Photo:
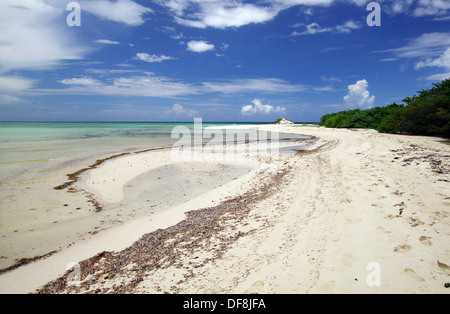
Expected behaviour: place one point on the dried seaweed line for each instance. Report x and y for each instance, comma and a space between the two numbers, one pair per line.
168, 247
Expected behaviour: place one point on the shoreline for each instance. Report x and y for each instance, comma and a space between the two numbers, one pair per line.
351, 199
78, 214
108, 185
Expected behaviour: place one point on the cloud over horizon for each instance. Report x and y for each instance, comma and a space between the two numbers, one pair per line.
358, 96
259, 108
179, 110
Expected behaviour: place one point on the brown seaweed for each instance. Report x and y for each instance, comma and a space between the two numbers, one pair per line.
210, 230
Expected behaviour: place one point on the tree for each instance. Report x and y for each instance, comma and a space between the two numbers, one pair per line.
425, 114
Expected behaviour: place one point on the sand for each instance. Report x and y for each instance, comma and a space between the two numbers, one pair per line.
355, 212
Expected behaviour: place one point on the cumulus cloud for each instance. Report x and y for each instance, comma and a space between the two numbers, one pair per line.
179, 110
200, 46
152, 58
122, 11
259, 107
358, 96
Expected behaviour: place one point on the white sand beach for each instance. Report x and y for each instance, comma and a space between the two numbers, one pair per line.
355, 212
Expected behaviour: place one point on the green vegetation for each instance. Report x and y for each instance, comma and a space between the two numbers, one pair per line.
426, 114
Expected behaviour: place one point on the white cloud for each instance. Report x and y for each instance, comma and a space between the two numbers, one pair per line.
81, 81
291, 3
259, 107
139, 86
11, 100
200, 46
330, 78
270, 85
360, 3
312, 28
399, 6
443, 61
153, 86
106, 42
315, 28
438, 77
230, 13
426, 45
224, 14
14, 84
431, 50
152, 58
432, 7
347, 27
179, 110
358, 96
417, 8
33, 35
121, 11
237, 13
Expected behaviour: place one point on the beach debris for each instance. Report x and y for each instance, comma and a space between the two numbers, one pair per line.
415, 155
205, 234
24, 261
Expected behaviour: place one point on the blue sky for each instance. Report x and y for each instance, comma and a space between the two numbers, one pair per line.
228, 60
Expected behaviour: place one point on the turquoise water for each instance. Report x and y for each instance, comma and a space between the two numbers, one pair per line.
27, 147
35, 157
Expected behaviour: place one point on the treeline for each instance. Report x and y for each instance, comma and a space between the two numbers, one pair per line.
425, 114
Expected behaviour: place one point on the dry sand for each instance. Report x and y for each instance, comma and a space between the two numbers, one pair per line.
357, 212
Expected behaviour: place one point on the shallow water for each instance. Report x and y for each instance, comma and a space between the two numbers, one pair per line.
35, 157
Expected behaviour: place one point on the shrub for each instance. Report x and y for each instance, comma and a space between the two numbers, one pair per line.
425, 114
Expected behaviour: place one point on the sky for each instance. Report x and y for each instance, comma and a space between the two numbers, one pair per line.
219, 60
